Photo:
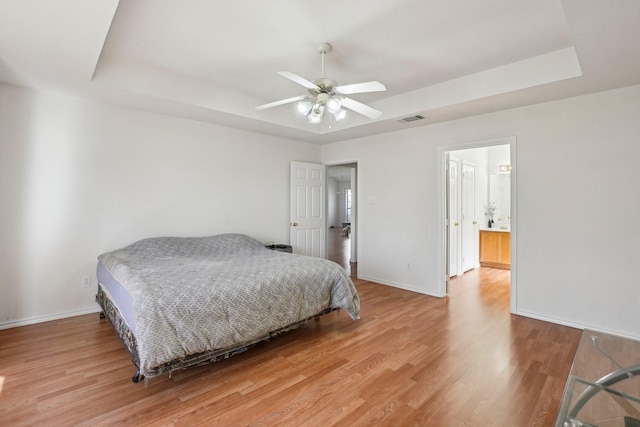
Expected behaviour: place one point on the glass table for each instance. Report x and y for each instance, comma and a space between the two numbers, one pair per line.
603, 388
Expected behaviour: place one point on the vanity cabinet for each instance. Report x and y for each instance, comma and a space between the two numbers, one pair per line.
495, 249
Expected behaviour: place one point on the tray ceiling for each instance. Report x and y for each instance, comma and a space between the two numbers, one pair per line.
215, 61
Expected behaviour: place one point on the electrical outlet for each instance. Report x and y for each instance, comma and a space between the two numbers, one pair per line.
86, 282
408, 266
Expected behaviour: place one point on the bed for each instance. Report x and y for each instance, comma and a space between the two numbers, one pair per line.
177, 302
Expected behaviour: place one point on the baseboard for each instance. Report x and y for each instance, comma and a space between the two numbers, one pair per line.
397, 285
577, 325
41, 319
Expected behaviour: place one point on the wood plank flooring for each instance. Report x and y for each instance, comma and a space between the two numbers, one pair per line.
339, 250
411, 360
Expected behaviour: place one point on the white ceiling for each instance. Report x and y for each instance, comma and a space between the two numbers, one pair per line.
215, 61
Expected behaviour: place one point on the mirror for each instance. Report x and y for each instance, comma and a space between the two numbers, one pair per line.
500, 194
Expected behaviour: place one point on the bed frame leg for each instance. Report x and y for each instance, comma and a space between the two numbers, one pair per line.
137, 377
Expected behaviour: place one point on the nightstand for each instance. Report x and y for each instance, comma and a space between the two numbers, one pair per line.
280, 248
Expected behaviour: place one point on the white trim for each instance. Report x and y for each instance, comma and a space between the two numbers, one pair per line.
577, 325
441, 270
42, 319
397, 285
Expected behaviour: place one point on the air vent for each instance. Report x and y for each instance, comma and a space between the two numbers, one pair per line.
411, 118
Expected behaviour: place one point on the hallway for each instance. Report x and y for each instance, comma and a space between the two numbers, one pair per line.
339, 250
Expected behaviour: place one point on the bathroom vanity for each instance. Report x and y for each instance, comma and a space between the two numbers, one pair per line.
495, 248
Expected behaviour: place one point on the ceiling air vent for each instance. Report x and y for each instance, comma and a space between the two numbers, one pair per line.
411, 118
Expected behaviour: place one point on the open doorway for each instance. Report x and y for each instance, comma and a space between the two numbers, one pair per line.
479, 209
342, 216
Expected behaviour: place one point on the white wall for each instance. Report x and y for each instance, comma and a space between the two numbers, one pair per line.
79, 179
332, 202
336, 209
578, 236
341, 200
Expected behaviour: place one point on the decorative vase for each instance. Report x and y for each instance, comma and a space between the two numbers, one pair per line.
489, 223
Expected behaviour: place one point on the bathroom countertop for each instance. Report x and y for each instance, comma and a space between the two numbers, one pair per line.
503, 230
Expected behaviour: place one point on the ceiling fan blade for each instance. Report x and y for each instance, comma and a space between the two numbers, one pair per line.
361, 108
296, 78
281, 102
361, 88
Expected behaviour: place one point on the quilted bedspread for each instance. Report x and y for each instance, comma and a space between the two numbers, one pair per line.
196, 294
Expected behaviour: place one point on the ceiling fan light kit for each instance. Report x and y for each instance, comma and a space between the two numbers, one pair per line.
325, 94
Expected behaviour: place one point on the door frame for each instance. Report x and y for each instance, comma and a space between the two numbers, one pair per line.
443, 222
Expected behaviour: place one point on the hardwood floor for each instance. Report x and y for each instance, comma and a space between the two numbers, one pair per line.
411, 360
339, 250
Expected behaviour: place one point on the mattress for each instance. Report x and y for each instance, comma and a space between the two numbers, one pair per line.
118, 295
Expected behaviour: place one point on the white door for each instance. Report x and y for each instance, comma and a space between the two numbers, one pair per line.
468, 217
454, 223
307, 233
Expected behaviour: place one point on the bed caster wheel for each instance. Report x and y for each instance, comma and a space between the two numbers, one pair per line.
137, 377
102, 316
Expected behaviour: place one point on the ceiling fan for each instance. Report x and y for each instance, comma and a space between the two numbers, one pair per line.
325, 94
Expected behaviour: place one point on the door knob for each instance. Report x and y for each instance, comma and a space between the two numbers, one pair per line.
294, 224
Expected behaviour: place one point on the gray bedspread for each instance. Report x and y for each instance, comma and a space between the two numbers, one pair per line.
196, 294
